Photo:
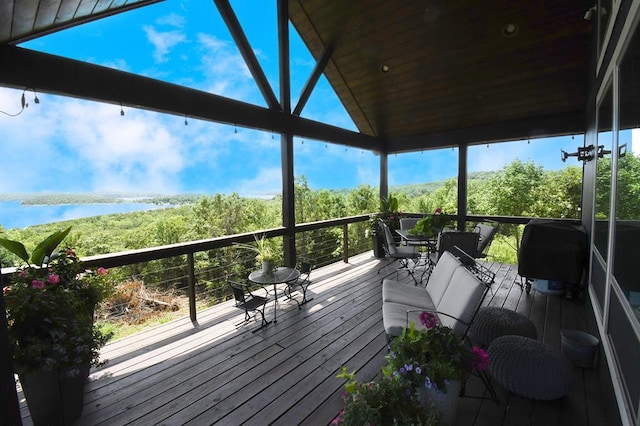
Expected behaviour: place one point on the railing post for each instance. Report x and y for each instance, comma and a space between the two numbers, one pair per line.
192, 286
345, 243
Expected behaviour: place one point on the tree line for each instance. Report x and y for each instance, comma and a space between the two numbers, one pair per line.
518, 189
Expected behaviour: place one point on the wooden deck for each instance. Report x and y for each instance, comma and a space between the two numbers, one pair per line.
285, 374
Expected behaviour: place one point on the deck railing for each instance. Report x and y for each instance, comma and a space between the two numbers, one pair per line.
200, 269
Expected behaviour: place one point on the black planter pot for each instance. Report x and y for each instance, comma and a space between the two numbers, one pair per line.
53, 398
378, 249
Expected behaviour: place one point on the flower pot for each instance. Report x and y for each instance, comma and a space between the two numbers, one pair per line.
378, 249
54, 398
267, 267
446, 403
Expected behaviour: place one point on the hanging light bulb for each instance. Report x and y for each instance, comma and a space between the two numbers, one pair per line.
35, 97
121, 110
186, 123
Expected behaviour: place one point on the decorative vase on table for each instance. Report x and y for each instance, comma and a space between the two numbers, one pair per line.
267, 267
445, 402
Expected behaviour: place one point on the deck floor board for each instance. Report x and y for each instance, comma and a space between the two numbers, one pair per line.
215, 372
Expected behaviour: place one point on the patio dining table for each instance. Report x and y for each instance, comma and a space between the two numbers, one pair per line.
281, 275
429, 242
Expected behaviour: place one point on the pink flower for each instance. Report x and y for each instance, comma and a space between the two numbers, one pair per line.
102, 271
428, 319
6, 289
479, 358
438, 210
38, 284
70, 252
22, 274
53, 279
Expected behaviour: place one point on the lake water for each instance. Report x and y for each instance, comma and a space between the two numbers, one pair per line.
15, 215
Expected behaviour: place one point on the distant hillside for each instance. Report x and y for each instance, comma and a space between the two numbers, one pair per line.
111, 198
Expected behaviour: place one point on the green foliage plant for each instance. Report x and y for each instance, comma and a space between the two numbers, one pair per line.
262, 248
384, 401
50, 305
389, 214
431, 224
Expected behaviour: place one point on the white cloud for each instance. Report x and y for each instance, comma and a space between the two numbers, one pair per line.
172, 19
66, 144
163, 42
224, 70
268, 181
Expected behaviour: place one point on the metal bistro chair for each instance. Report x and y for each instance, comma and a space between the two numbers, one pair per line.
302, 283
400, 254
465, 241
486, 233
250, 303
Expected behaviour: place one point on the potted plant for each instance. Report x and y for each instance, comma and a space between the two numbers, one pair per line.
431, 225
265, 254
50, 303
433, 361
390, 215
384, 401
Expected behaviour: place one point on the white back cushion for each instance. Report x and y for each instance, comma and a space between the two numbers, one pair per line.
461, 299
441, 276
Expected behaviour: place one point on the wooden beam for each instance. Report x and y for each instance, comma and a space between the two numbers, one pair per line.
22, 68
313, 79
534, 127
246, 51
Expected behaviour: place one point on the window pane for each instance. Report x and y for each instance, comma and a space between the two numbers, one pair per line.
603, 176
627, 241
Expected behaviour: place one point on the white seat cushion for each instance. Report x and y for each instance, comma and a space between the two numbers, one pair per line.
396, 292
394, 317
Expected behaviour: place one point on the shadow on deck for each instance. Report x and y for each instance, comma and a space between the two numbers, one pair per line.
213, 372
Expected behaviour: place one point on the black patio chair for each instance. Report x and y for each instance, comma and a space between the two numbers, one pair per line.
401, 254
302, 283
250, 303
486, 232
465, 241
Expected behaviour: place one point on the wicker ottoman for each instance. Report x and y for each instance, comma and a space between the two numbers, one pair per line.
491, 323
529, 368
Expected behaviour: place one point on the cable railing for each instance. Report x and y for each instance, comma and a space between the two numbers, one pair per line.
198, 271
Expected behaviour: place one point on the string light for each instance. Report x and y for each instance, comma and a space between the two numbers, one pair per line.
186, 123
121, 110
235, 129
23, 103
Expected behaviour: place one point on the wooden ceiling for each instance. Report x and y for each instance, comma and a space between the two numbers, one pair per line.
21, 20
457, 72
453, 65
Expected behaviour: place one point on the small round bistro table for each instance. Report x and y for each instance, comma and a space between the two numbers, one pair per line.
281, 275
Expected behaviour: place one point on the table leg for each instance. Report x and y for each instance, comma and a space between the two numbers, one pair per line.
275, 303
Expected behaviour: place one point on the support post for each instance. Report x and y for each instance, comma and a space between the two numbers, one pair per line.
462, 186
9, 402
286, 140
345, 243
192, 287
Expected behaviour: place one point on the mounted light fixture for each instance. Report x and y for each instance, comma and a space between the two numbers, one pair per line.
384, 69
584, 154
510, 30
588, 15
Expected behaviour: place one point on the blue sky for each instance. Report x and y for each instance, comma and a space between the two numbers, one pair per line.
70, 145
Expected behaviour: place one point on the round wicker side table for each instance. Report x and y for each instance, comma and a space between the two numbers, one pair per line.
491, 323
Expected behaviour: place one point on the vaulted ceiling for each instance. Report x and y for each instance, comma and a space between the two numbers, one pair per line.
412, 74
